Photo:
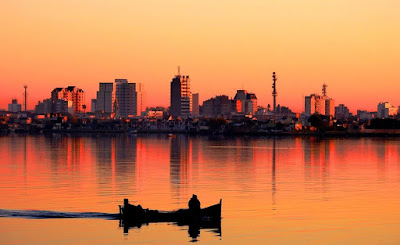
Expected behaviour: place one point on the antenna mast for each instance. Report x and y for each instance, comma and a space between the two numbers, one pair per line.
324, 93
25, 97
274, 93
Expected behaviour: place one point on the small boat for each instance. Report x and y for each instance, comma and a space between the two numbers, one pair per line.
137, 215
172, 135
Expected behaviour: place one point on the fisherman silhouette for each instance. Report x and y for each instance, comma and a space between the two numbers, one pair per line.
194, 205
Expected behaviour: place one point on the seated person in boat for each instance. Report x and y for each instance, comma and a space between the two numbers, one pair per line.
130, 209
194, 205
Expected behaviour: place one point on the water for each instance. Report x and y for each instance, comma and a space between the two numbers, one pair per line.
65, 189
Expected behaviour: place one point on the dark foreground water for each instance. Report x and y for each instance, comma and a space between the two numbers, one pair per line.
65, 189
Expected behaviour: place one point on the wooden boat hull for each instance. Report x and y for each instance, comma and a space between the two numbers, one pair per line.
211, 214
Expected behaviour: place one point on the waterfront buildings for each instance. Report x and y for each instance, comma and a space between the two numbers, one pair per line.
322, 105
385, 110
54, 106
364, 115
342, 112
129, 98
105, 98
75, 96
181, 98
93, 105
14, 106
220, 105
195, 104
246, 102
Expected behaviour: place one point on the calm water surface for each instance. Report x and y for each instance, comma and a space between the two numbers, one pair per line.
275, 191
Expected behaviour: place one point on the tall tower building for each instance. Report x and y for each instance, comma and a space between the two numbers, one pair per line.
139, 101
246, 102
124, 97
195, 104
129, 98
311, 104
73, 95
105, 98
181, 98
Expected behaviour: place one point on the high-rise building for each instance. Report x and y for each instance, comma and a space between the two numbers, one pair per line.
105, 98
310, 104
129, 98
342, 112
181, 98
75, 96
93, 105
247, 102
195, 104
124, 98
220, 105
14, 106
139, 99
385, 110
322, 105
329, 107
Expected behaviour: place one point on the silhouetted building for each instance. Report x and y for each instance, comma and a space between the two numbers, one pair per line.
342, 112
195, 104
181, 98
385, 110
247, 102
140, 97
322, 105
75, 96
365, 115
93, 105
56, 106
14, 106
220, 105
129, 98
105, 98
329, 107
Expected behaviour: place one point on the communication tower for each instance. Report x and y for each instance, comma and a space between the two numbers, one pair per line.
274, 93
25, 97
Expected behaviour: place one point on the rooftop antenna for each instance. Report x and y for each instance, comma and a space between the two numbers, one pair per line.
274, 93
324, 93
179, 70
25, 97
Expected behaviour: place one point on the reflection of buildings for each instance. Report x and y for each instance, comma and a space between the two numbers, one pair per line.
273, 173
317, 155
116, 162
180, 161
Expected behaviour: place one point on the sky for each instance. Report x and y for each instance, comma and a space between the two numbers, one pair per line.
351, 45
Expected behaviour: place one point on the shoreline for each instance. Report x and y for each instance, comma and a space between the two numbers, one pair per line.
327, 134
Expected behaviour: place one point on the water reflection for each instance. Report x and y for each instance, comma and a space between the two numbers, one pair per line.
180, 163
277, 184
317, 154
193, 229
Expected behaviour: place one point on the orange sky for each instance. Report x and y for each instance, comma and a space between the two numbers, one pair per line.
224, 45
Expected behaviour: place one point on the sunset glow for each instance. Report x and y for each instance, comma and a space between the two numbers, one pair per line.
223, 45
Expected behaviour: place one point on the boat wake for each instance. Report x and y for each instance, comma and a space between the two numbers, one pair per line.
44, 214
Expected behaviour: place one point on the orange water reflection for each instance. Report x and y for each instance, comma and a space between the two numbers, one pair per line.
281, 190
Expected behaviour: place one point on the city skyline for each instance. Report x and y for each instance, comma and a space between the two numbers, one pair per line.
223, 46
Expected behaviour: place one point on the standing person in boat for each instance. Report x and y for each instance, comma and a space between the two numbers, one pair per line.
194, 205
